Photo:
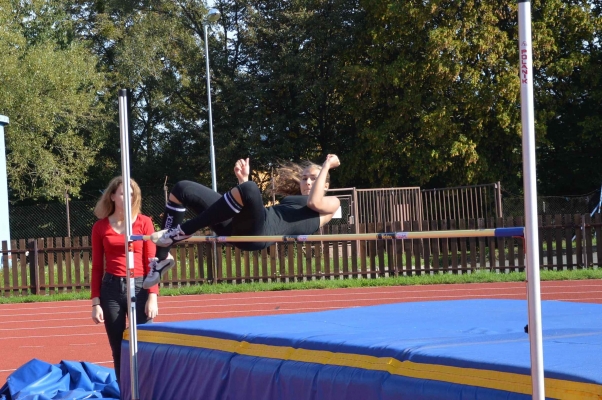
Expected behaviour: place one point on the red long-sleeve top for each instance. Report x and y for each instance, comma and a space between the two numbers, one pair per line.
109, 246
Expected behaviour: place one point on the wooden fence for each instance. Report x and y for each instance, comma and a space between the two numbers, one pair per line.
51, 265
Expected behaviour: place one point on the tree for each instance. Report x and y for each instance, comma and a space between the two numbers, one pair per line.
439, 94
437, 81
568, 68
156, 49
407, 93
298, 52
50, 91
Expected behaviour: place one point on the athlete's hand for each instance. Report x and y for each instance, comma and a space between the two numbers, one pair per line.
97, 314
332, 161
242, 168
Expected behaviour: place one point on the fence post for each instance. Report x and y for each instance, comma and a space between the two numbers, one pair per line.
584, 246
67, 209
33, 267
498, 199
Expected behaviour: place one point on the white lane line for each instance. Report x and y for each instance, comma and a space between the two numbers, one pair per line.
200, 298
19, 321
321, 293
371, 299
39, 327
204, 312
169, 305
286, 294
290, 310
247, 300
245, 312
51, 336
373, 290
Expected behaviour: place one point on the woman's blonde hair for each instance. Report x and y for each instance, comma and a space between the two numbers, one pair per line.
287, 178
105, 206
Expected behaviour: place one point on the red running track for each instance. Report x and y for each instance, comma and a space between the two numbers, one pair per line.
64, 330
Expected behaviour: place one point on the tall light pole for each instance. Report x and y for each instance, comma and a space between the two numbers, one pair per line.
212, 16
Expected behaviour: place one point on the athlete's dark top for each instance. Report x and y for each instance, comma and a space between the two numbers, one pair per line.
291, 217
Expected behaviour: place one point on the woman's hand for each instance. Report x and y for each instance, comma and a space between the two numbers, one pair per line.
332, 161
242, 168
151, 308
97, 314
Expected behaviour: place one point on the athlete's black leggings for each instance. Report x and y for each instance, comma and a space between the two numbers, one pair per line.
249, 222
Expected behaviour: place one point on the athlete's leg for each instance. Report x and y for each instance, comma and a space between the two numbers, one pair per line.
251, 219
172, 217
223, 210
184, 194
198, 198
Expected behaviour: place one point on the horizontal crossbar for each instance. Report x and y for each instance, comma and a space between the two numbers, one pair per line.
497, 232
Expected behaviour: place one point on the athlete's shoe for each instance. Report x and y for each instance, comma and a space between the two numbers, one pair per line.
157, 269
168, 237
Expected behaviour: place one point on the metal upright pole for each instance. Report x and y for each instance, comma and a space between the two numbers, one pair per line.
129, 245
211, 148
530, 188
212, 16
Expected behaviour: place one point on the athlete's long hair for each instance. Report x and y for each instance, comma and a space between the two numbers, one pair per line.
105, 206
287, 178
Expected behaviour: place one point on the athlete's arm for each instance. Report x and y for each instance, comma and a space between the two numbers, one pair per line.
317, 200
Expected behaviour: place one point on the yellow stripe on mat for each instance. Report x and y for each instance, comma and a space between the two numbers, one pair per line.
506, 381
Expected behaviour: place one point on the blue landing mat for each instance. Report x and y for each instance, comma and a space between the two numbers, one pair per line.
466, 349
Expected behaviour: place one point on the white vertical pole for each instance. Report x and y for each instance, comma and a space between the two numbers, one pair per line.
129, 245
530, 188
5, 226
211, 148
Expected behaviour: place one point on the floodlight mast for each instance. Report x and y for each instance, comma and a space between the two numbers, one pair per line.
212, 16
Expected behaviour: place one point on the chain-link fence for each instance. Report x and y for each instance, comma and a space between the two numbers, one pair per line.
514, 206
76, 217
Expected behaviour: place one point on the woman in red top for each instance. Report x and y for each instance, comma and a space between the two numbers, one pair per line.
109, 284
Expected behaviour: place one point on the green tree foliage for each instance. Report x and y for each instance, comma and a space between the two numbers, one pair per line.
298, 53
437, 93
434, 93
50, 91
156, 49
406, 92
568, 66
139, 43
415, 93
